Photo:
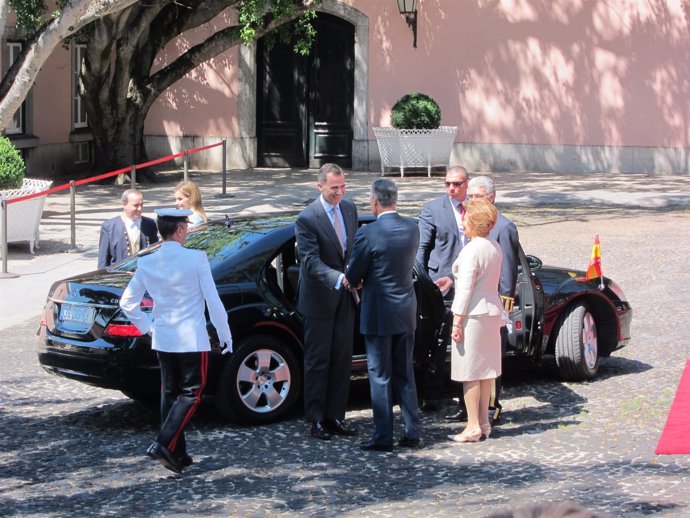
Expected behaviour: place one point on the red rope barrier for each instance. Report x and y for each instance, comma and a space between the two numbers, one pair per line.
197, 150
37, 194
159, 160
92, 179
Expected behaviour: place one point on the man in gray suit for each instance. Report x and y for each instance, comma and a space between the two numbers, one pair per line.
325, 232
383, 256
505, 233
441, 239
126, 234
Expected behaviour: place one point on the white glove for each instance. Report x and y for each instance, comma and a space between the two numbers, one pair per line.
226, 346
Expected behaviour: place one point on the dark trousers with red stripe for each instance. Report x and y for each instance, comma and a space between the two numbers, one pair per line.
183, 378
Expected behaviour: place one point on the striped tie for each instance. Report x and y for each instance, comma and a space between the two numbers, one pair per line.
338, 228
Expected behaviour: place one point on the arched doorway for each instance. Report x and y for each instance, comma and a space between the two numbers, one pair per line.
305, 104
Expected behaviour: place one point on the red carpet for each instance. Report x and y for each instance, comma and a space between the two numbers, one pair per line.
676, 435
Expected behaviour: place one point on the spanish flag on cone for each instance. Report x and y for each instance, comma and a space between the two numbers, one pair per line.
594, 268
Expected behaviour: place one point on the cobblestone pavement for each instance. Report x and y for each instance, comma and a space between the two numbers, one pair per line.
66, 448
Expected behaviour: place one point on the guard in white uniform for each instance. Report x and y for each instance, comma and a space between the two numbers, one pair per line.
180, 283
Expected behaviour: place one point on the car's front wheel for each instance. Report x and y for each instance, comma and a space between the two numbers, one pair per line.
260, 382
577, 351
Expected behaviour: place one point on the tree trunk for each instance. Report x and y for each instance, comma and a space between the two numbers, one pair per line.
15, 85
118, 83
118, 140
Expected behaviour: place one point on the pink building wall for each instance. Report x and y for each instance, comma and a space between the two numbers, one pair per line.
581, 85
540, 72
205, 102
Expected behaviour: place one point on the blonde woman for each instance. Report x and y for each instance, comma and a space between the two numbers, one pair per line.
188, 196
477, 310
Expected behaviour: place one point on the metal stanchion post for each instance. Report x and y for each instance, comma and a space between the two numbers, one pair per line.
186, 165
224, 158
5, 274
73, 212
133, 177
224, 170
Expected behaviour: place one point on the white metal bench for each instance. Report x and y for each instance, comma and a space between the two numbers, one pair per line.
414, 147
24, 217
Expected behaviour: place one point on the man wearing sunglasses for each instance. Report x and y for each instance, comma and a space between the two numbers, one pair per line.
441, 238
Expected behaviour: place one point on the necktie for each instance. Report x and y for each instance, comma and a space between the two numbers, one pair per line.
461, 210
338, 228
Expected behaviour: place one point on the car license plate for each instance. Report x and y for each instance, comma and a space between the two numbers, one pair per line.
80, 314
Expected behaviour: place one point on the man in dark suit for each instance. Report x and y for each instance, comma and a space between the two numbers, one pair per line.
440, 240
506, 234
325, 232
126, 234
383, 256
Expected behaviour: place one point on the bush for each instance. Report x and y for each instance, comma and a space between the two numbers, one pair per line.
416, 111
11, 165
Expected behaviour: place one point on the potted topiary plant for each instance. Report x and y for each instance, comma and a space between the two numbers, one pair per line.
24, 216
11, 166
416, 139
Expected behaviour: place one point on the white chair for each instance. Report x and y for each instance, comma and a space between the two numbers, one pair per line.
415, 148
24, 217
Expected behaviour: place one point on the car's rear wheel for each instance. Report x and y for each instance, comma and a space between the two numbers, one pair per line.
260, 382
577, 351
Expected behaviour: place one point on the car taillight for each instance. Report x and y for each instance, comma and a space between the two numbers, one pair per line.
122, 330
130, 330
146, 305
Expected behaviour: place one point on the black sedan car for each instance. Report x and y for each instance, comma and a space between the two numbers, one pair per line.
85, 336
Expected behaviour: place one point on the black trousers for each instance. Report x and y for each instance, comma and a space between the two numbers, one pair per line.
183, 378
328, 361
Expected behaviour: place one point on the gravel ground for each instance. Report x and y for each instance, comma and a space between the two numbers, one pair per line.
67, 448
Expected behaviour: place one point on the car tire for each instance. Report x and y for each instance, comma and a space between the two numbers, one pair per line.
577, 352
260, 382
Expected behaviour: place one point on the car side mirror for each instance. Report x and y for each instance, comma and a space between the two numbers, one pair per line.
534, 262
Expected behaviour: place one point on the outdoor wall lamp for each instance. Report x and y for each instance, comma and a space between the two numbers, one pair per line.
409, 10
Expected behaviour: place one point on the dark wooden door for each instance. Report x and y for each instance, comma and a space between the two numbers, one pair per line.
305, 104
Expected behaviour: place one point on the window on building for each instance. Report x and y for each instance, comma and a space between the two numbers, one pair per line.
79, 118
82, 152
18, 123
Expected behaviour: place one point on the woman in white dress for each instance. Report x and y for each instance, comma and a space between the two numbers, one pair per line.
188, 196
477, 310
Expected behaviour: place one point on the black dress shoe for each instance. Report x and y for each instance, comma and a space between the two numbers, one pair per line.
319, 430
184, 460
374, 446
429, 405
409, 442
162, 454
338, 427
458, 417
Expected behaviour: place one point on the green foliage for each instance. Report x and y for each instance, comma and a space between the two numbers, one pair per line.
252, 14
11, 165
416, 111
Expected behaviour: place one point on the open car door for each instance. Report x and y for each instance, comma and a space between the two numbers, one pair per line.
527, 315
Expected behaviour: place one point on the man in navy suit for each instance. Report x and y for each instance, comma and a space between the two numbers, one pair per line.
325, 231
382, 259
441, 239
126, 234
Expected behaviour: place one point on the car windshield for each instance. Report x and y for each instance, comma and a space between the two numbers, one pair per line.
219, 240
